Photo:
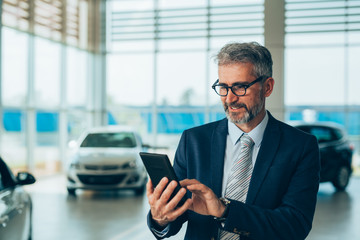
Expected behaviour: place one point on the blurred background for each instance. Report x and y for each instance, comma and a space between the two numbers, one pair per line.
70, 65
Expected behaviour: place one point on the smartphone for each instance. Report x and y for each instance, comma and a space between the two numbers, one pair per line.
159, 166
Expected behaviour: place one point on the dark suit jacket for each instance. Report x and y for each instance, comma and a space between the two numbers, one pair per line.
283, 189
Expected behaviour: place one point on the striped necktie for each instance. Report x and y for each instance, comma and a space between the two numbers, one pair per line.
240, 176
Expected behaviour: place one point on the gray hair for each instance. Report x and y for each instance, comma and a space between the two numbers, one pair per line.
252, 52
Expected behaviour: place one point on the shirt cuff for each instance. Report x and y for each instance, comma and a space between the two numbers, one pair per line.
161, 233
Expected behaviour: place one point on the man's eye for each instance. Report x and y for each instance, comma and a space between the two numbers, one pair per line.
237, 87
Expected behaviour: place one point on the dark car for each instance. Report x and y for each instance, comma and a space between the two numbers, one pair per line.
15, 204
336, 152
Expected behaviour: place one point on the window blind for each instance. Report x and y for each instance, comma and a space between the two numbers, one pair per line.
58, 20
192, 22
309, 16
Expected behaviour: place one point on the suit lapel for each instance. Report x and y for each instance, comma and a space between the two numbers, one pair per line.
217, 153
268, 149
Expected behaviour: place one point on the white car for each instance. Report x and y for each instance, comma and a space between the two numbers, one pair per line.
107, 158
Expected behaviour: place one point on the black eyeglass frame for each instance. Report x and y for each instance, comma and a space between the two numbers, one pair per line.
238, 85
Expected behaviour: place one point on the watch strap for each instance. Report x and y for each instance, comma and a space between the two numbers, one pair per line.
223, 217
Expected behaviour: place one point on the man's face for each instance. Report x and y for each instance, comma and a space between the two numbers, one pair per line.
243, 109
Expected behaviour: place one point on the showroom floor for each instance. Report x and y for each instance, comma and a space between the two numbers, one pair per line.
121, 215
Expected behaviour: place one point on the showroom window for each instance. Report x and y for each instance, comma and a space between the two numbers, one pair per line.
14, 57
159, 65
46, 48
148, 64
322, 55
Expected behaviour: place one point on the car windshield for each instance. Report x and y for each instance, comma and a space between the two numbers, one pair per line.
323, 134
120, 139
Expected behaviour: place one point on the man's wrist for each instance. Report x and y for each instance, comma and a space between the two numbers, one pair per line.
226, 203
158, 225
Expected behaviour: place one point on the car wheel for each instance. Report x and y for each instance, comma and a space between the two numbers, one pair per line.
71, 191
342, 178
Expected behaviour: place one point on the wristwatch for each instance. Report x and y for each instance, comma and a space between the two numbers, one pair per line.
223, 217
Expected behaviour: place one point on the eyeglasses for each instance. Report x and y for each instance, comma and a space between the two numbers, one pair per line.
237, 89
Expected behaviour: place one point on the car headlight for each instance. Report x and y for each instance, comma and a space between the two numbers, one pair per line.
75, 165
130, 165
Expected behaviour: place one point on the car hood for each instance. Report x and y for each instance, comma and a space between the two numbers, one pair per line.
106, 155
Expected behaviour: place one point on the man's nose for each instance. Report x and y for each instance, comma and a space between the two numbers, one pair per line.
231, 97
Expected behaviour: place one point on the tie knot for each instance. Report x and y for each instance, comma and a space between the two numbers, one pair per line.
247, 141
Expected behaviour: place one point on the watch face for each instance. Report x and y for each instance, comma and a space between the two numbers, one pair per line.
225, 201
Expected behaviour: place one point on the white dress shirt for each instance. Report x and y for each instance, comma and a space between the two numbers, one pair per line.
233, 136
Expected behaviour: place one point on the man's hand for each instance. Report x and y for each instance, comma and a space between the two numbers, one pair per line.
162, 210
204, 200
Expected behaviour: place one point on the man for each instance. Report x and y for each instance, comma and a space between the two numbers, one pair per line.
267, 191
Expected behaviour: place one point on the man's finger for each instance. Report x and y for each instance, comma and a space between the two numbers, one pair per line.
168, 192
149, 188
179, 211
160, 188
187, 182
197, 187
177, 198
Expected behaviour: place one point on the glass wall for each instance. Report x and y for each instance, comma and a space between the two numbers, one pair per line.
159, 61
32, 84
322, 43
13, 138
159, 68
13, 91
14, 57
44, 80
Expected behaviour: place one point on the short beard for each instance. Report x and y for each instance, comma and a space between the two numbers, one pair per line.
249, 114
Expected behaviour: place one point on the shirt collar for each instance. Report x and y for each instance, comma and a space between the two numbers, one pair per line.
256, 134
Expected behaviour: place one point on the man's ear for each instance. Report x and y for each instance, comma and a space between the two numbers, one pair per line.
268, 86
